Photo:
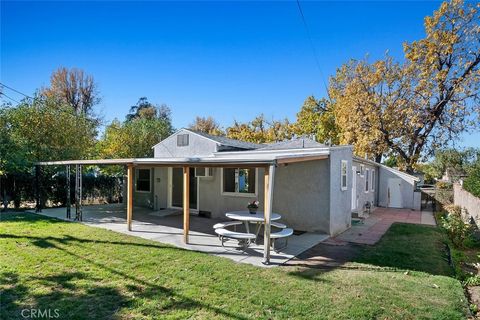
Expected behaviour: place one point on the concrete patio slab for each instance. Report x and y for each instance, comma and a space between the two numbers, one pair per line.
166, 226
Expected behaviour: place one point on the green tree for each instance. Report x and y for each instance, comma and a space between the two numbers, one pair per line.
147, 110
44, 130
472, 181
40, 130
316, 118
457, 162
134, 138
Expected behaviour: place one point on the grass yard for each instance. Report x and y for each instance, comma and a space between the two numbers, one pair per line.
92, 273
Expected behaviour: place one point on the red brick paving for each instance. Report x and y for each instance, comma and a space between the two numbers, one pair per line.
384, 217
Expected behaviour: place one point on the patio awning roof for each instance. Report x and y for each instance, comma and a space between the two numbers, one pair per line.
267, 159
251, 160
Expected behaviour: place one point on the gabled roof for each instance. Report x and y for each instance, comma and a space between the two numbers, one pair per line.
298, 143
224, 141
395, 171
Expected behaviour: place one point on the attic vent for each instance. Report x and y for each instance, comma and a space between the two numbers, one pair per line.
182, 140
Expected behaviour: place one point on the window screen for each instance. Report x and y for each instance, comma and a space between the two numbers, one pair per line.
182, 140
239, 180
343, 176
366, 180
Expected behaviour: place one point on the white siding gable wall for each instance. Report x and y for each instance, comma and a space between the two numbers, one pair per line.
197, 146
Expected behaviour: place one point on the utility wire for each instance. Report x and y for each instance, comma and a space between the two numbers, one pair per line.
312, 45
15, 90
3, 94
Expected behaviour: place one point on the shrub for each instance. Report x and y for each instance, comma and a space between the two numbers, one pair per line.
472, 281
457, 229
444, 185
444, 192
472, 182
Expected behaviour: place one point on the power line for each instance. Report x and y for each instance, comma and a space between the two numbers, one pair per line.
3, 94
312, 45
15, 90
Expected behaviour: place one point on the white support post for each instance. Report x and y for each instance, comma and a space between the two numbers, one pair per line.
186, 203
269, 180
129, 196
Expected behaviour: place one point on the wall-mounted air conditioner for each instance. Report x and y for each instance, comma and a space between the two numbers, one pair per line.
203, 172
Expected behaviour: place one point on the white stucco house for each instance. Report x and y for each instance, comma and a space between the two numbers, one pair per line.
314, 187
318, 193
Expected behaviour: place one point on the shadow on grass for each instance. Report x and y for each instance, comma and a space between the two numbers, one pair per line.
79, 295
49, 242
404, 247
69, 295
26, 217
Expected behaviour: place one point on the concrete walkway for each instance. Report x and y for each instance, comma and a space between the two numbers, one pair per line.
374, 227
166, 226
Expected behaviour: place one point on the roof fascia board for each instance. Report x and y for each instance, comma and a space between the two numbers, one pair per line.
87, 162
300, 150
284, 151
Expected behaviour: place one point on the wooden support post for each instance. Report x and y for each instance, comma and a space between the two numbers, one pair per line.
186, 203
129, 196
268, 203
69, 201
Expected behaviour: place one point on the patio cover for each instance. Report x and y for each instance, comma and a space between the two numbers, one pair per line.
257, 159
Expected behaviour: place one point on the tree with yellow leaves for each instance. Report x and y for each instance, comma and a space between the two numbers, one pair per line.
207, 125
409, 109
259, 130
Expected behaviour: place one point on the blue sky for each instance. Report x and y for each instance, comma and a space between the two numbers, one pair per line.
231, 60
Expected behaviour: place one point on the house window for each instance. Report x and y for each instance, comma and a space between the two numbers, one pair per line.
343, 176
142, 180
372, 181
237, 181
182, 140
366, 180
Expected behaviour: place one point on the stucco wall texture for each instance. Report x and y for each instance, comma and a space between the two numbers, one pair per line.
362, 195
407, 189
340, 200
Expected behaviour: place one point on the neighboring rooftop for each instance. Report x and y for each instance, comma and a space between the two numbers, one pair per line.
232, 143
298, 143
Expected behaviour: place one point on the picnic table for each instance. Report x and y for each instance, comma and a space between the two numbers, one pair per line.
258, 218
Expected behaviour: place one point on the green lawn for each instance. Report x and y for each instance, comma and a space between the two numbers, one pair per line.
91, 273
410, 247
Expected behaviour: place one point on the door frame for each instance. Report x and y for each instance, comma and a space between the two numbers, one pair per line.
390, 193
170, 192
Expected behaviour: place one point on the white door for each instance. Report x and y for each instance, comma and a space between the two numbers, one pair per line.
354, 188
394, 193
